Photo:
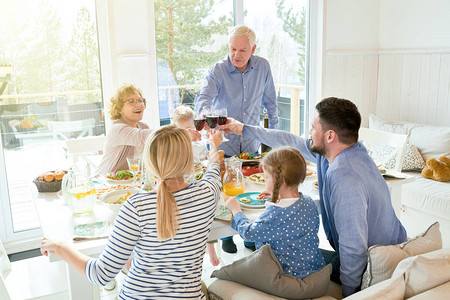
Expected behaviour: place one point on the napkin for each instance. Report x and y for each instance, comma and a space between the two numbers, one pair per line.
97, 230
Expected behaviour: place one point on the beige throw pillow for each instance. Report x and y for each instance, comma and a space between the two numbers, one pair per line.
261, 270
382, 260
425, 271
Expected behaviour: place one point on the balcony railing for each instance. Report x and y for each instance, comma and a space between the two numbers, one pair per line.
295, 91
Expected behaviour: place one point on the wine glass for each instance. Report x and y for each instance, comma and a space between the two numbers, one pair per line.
199, 121
134, 163
222, 114
212, 118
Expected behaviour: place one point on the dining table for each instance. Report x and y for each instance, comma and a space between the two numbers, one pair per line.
58, 221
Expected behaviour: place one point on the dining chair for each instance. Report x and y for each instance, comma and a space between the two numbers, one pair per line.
63, 129
385, 147
32, 278
88, 148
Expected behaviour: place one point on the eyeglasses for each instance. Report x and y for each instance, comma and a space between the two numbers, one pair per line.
136, 101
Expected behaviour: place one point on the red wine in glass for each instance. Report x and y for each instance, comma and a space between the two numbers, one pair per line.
199, 124
222, 120
212, 121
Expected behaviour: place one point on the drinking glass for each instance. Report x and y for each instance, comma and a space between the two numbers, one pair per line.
222, 114
134, 163
212, 118
199, 121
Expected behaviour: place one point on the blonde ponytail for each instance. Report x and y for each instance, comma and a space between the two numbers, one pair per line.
168, 154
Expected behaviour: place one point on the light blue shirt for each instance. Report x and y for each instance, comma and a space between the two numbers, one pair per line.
242, 94
291, 232
355, 202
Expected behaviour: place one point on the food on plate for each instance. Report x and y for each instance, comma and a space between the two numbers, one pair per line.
261, 196
49, 176
246, 155
59, 174
199, 176
316, 184
310, 171
120, 175
250, 170
259, 177
121, 200
112, 188
245, 200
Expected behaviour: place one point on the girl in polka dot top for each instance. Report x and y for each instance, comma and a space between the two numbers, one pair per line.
290, 222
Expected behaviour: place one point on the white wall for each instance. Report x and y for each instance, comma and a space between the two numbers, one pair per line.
392, 58
352, 24
414, 24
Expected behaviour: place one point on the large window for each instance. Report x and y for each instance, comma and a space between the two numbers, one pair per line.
50, 91
192, 36
281, 38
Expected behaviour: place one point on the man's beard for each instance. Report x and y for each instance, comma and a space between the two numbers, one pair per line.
319, 149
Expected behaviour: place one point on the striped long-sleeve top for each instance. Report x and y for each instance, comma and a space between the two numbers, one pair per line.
161, 269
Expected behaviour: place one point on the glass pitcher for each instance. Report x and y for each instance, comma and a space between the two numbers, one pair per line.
233, 180
79, 190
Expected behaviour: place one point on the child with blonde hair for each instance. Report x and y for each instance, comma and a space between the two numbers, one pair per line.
290, 222
167, 229
183, 117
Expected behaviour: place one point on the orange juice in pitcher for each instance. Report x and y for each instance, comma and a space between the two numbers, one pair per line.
233, 180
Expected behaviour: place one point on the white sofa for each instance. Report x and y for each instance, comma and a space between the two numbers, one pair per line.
425, 276
424, 201
418, 268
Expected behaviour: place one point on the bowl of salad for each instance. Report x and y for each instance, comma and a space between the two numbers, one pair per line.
114, 199
120, 177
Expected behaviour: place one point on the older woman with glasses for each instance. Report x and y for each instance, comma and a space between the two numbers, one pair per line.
127, 134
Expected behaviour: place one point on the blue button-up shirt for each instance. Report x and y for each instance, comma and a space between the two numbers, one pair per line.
355, 202
242, 94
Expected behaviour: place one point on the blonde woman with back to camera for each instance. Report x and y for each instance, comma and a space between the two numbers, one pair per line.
167, 228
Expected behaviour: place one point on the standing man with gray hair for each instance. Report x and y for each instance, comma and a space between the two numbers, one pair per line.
240, 83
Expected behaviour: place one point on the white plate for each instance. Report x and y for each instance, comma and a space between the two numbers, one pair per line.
115, 182
115, 195
257, 182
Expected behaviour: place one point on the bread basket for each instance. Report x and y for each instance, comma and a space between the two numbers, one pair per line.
48, 187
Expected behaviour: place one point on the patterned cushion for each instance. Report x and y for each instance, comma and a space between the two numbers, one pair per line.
261, 270
378, 123
412, 161
382, 260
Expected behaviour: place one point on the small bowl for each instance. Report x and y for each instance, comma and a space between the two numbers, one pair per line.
109, 198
